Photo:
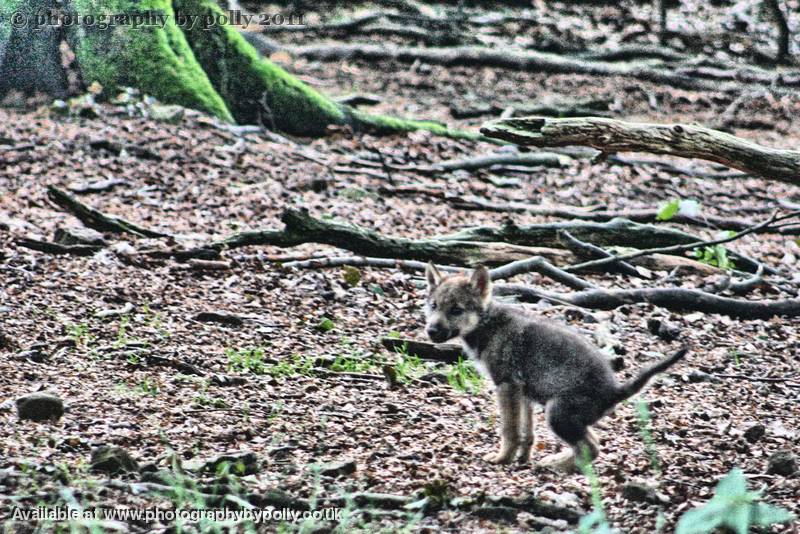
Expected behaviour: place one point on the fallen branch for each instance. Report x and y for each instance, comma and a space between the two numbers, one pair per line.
683, 140
645, 216
525, 61
95, 219
532, 159
541, 266
581, 248
690, 246
303, 228
617, 232
673, 299
489, 246
57, 248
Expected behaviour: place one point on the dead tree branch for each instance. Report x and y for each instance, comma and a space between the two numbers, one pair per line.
526, 61
683, 140
541, 266
690, 246
57, 248
95, 219
587, 250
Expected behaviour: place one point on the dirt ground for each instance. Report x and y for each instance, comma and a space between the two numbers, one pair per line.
207, 182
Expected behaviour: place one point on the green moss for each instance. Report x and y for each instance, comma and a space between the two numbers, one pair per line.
255, 89
156, 60
385, 124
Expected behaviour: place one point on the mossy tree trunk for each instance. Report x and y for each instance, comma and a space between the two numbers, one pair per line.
209, 67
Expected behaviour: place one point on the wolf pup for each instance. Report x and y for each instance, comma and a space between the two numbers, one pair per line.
530, 360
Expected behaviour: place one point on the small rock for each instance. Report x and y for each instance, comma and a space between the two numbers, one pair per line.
700, 376
640, 492
782, 463
755, 432
663, 329
219, 317
40, 406
79, 236
5, 341
167, 113
112, 461
240, 463
32, 355
335, 469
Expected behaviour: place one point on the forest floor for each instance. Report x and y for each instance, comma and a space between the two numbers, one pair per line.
198, 181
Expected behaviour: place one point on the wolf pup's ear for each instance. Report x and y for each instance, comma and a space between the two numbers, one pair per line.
433, 277
482, 281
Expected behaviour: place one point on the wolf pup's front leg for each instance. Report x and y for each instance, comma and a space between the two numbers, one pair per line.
527, 429
509, 404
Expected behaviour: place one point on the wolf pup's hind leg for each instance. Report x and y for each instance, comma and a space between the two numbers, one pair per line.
568, 421
508, 404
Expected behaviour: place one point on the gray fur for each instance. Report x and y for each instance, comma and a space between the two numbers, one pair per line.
530, 360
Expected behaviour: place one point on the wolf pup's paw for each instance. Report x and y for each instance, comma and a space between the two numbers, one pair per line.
564, 462
501, 457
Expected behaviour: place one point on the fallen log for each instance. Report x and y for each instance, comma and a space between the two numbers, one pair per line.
683, 140
303, 228
674, 299
489, 246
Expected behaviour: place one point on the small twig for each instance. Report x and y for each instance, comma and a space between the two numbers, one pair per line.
542, 266
747, 285
682, 248
593, 251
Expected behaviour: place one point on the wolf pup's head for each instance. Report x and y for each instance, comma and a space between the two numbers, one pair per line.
455, 304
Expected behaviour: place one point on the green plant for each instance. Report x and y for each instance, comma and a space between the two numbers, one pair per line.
716, 255
155, 321
149, 386
296, 364
80, 335
353, 360
643, 416
463, 377
733, 507
326, 325
352, 364
594, 522
409, 366
351, 275
246, 360
669, 209
203, 400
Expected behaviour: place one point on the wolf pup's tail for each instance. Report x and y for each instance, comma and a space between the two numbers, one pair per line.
635, 384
